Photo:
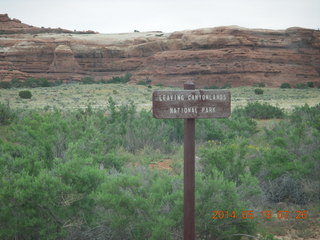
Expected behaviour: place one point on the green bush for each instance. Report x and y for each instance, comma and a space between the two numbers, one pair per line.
224, 197
227, 158
31, 82
285, 85
145, 82
258, 91
5, 85
262, 84
302, 86
142, 82
260, 111
307, 116
6, 114
36, 82
25, 94
123, 79
227, 85
310, 84
87, 80
16, 83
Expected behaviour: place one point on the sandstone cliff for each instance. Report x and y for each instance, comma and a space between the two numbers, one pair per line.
213, 56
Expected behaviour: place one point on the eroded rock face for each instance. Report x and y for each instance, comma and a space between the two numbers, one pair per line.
64, 61
213, 56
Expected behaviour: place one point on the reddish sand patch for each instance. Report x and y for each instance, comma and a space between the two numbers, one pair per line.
162, 165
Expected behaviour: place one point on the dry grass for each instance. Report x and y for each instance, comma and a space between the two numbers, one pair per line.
75, 96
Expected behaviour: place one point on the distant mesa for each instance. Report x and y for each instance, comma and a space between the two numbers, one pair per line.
15, 26
211, 57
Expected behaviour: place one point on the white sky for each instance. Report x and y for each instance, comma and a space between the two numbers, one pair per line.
116, 16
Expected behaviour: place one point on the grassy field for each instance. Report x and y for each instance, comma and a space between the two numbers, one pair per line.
75, 96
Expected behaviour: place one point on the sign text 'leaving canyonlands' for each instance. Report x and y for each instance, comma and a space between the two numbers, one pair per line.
191, 104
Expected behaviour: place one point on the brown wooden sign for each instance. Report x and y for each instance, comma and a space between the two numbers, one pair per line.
190, 104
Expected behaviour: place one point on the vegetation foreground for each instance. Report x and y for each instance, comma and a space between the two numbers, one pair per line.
85, 174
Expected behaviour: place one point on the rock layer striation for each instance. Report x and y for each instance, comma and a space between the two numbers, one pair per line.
212, 56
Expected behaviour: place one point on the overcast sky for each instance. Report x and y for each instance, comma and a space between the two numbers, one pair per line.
116, 16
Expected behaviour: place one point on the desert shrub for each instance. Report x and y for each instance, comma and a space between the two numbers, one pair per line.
285, 189
310, 84
5, 85
227, 85
121, 79
48, 203
285, 85
301, 86
258, 91
215, 192
25, 94
44, 82
225, 129
146, 81
145, 130
227, 158
261, 84
260, 111
31, 82
16, 83
306, 115
142, 82
53, 187
6, 114
36, 82
277, 161
87, 80
291, 158
57, 83
140, 204
144, 204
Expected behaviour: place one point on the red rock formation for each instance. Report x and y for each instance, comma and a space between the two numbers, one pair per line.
213, 56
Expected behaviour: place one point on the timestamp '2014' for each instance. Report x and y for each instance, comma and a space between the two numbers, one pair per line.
268, 214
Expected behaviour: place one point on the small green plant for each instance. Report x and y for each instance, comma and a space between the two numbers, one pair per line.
6, 114
122, 79
5, 85
16, 83
142, 82
145, 82
25, 94
285, 85
262, 84
87, 80
258, 91
310, 84
159, 85
227, 85
301, 86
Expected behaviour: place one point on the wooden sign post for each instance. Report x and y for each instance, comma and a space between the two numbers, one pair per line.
190, 104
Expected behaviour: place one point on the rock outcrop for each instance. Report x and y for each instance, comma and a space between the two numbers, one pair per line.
213, 56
